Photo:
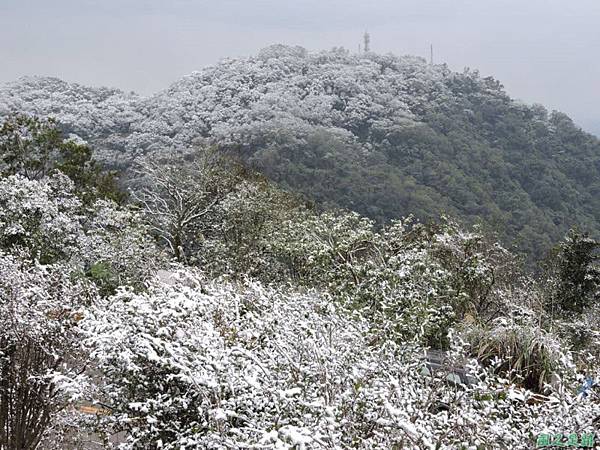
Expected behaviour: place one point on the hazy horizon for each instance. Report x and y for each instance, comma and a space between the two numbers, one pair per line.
539, 51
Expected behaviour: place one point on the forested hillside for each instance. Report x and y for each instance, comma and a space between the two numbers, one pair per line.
207, 309
383, 135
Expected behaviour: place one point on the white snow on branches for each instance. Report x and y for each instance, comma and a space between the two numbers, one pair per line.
204, 364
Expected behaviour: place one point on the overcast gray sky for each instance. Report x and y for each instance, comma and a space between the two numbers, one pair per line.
543, 51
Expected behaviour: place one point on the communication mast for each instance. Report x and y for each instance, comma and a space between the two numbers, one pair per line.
431, 55
367, 42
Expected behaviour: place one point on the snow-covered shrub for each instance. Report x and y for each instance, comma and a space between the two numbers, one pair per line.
194, 363
415, 280
573, 275
118, 249
41, 217
239, 242
40, 362
479, 267
204, 365
46, 221
327, 249
527, 354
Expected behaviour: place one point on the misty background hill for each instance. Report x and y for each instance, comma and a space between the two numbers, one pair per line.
383, 135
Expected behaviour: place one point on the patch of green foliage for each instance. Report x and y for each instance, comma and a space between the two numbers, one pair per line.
35, 148
575, 272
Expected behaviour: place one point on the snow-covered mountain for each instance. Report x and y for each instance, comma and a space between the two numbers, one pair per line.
236, 100
381, 134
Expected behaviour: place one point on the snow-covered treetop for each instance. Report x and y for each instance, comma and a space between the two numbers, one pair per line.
239, 100
384, 135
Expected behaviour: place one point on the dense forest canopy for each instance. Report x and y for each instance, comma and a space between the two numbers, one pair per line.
189, 302
380, 134
383, 135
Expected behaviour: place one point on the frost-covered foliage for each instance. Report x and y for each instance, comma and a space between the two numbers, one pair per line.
44, 219
88, 113
195, 363
41, 371
285, 325
404, 274
117, 249
576, 275
248, 222
210, 211
526, 353
383, 135
40, 217
180, 199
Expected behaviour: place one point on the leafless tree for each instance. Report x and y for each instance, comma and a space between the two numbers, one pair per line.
178, 197
38, 349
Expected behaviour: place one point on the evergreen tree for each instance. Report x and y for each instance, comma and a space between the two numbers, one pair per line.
576, 274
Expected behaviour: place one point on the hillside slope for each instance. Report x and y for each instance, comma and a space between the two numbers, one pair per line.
383, 135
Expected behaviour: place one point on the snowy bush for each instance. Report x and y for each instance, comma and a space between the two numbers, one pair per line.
46, 221
41, 366
118, 249
194, 363
41, 217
